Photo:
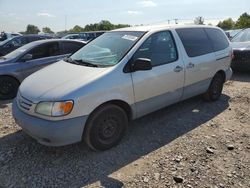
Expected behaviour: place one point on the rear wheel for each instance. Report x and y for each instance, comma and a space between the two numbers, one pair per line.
8, 87
105, 127
215, 89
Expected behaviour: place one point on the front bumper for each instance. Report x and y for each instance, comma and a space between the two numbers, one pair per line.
50, 133
241, 60
241, 65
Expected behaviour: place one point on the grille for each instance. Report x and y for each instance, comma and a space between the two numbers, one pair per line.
242, 55
24, 103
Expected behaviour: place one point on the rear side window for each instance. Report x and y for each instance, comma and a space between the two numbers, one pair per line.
45, 50
159, 48
19, 41
195, 41
71, 47
218, 39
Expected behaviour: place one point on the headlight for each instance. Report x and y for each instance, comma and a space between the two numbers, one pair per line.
54, 109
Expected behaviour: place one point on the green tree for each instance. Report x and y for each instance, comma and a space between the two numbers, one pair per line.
106, 25
243, 21
47, 30
77, 29
103, 25
226, 24
32, 29
121, 26
199, 20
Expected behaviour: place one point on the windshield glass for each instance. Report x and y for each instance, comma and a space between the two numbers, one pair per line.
5, 41
242, 36
108, 49
19, 51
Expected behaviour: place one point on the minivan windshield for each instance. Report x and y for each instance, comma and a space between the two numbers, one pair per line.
242, 36
108, 49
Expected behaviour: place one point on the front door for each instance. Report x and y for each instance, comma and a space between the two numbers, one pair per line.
163, 85
42, 56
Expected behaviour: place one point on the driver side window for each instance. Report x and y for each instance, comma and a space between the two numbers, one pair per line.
160, 48
47, 50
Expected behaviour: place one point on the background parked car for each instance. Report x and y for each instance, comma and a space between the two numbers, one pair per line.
31, 57
72, 36
11, 44
241, 48
232, 33
4, 36
85, 36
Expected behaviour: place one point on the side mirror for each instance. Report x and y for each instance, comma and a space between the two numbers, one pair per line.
27, 57
141, 64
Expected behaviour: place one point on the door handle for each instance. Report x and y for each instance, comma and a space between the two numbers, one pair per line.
190, 65
178, 69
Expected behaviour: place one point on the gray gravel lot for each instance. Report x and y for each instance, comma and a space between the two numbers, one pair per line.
189, 144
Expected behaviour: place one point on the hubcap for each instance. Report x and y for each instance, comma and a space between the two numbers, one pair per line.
5, 87
108, 128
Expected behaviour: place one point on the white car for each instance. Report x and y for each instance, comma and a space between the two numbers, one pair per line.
120, 76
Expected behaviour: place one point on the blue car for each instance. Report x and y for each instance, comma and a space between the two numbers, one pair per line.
22, 62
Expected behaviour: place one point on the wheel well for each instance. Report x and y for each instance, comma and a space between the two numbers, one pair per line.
9, 76
221, 72
125, 106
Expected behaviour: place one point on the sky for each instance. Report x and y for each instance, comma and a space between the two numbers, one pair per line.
15, 15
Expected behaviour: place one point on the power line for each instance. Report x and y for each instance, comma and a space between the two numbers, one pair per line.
177, 20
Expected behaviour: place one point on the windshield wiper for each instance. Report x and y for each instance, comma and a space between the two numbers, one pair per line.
69, 60
79, 62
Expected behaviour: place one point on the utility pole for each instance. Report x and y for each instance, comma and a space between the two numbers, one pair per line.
176, 21
65, 23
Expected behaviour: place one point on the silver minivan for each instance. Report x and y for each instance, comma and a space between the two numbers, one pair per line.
120, 76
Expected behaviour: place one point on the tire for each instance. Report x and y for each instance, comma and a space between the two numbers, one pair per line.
105, 127
8, 87
215, 89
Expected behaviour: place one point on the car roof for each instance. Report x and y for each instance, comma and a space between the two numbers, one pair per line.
75, 34
37, 42
161, 26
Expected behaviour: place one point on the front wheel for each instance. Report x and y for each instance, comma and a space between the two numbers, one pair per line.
8, 87
105, 127
215, 89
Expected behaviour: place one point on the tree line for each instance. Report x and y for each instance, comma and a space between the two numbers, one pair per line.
105, 25
242, 22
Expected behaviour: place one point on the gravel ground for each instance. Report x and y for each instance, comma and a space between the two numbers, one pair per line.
189, 144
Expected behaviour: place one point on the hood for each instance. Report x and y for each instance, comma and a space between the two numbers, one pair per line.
58, 80
241, 45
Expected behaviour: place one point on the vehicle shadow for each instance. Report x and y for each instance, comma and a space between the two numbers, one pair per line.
26, 163
4, 104
241, 76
